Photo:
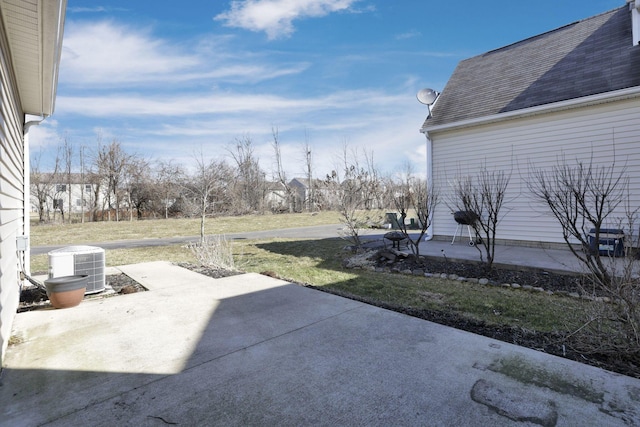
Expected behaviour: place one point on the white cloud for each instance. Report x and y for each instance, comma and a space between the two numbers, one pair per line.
44, 135
217, 103
106, 53
94, 9
87, 9
275, 17
129, 56
409, 35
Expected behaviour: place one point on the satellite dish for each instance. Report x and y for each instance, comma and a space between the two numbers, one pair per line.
427, 96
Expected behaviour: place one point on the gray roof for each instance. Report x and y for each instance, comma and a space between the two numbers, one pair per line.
588, 57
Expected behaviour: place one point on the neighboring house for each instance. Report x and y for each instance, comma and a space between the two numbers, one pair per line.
301, 192
318, 194
57, 191
276, 197
30, 47
571, 93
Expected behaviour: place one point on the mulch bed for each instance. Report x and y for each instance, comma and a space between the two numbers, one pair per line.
552, 282
32, 298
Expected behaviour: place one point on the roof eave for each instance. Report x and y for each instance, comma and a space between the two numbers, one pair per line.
53, 30
585, 101
34, 31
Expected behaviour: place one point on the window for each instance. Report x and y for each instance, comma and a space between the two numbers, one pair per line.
87, 188
78, 202
61, 188
58, 204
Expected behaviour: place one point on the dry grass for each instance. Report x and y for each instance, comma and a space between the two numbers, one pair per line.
105, 231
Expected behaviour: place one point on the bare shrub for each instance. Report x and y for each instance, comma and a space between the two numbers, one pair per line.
585, 198
418, 195
355, 193
483, 195
213, 251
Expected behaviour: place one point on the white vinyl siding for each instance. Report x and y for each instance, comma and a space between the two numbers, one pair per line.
11, 194
607, 133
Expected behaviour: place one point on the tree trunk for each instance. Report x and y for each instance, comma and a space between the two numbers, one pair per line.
202, 218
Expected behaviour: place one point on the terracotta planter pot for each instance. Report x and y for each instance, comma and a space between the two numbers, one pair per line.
66, 291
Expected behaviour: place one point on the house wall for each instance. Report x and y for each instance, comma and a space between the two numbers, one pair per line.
607, 133
11, 194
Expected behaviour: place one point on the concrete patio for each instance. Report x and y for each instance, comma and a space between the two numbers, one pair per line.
253, 350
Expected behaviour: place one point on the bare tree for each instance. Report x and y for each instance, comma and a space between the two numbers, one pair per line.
111, 162
95, 181
280, 173
83, 183
373, 186
350, 188
206, 187
250, 181
482, 197
308, 162
43, 186
137, 182
583, 198
59, 195
67, 160
167, 184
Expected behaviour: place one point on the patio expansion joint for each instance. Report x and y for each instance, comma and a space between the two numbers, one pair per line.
275, 337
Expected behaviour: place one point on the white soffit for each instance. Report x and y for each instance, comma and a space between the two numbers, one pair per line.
34, 31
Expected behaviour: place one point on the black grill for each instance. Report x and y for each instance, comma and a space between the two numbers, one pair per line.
465, 217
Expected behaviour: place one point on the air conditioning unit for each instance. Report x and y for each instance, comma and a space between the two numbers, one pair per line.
75, 260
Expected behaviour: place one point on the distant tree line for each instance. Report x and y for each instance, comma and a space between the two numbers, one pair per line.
108, 183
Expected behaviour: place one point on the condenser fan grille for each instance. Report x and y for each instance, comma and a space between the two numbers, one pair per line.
75, 260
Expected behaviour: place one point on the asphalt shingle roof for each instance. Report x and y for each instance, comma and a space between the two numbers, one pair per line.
584, 58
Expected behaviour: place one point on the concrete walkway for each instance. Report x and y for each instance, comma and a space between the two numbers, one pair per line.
252, 350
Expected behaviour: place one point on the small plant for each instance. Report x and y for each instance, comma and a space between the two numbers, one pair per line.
213, 251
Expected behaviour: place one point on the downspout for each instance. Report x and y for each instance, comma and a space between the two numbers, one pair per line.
429, 235
634, 7
26, 191
429, 97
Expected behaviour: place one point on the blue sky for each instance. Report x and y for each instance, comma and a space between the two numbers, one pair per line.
171, 78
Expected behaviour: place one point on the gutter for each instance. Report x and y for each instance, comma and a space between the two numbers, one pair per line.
585, 101
62, 7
